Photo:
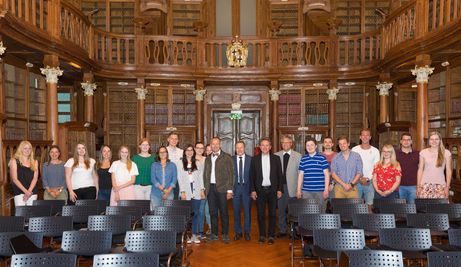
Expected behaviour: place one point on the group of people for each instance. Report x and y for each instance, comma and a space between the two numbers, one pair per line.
209, 177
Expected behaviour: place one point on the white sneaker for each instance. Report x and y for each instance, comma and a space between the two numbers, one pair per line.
196, 239
189, 240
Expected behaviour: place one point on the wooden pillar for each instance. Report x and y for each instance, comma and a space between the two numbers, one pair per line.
199, 105
274, 97
88, 87
384, 101
52, 71
332, 94
3, 164
422, 72
141, 123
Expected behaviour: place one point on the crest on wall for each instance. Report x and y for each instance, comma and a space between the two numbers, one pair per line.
237, 53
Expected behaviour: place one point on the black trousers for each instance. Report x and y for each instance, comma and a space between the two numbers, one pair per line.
217, 202
85, 193
266, 197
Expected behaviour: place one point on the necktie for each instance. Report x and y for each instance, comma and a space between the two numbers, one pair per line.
286, 158
240, 181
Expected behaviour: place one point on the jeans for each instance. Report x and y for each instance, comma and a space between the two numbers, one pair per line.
104, 194
196, 209
205, 217
408, 192
367, 192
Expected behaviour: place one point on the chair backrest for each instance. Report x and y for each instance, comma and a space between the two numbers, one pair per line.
117, 224
297, 209
136, 213
50, 226
294, 200
176, 203
339, 239
421, 203
86, 243
374, 221
371, 258
175, 223
11, 224
99, 203
5, 247
379, 202
79, 214
32, 211
319, 221
347, 210
400, 211
161, 242
44, 259
454, 237
160, 210
433, 221
143, 204
453, 210
55, 204
343, 201
126, 260
444, 259
409, 239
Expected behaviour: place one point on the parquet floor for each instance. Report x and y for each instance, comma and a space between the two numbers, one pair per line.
243, 253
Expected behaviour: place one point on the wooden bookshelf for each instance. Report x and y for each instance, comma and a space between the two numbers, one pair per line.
184, 16
436, 103
287, 14
290, 108
98, 18
374, 20
316, 107
406, 105
349, 12
156, 106
183, 107
122, 17
350, 112
37, 107
15, 103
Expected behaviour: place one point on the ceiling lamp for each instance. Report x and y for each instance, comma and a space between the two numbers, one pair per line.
237, 53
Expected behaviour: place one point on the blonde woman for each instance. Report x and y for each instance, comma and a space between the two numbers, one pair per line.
124, 172
81, 177
144, 160
434, 171
387, 174
24, 175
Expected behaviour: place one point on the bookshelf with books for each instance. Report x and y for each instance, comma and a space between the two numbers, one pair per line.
349, 12
184, 17
97, 9
350, 111
406, 103
436, 103
122, 17
183, 107
37, 107
287, 15
156, 106
316, 103
290, 107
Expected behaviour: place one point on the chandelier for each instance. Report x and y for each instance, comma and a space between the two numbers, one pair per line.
237, 53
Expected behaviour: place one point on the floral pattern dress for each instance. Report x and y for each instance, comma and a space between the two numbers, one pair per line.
386, 176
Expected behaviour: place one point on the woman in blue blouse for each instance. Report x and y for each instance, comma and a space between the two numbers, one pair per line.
163, 176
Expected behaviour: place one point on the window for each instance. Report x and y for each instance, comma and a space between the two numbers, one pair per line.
64, 107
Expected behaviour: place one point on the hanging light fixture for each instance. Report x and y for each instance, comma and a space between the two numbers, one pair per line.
237, 53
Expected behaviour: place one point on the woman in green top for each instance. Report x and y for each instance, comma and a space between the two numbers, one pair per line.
144, 160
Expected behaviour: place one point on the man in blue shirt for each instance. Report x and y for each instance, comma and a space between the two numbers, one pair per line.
313, 177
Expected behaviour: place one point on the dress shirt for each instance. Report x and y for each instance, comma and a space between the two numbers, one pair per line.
266, 166
214, 156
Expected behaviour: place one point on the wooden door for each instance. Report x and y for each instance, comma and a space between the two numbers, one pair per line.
230, 131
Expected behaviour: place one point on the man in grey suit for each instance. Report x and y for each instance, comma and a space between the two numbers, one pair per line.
290, 163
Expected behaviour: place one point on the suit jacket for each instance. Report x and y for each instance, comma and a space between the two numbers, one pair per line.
246, 171
224, 173
256, 173
292, 171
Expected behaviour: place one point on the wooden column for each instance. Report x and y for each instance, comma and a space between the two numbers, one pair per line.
332, 94
384, 101
141, 124
88, 87
52, 71
199, 102
3, 164
422, 72
274, 97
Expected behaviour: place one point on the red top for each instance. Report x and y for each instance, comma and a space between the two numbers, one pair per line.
385, 176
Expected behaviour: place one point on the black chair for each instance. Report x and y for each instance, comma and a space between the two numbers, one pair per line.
379, 202
421, 203
444, 259
136, 213
165, 211
99, 203
438, 223
32, 211
116, 224
5, 246
11, 224
346, 211
454, 241
143, 204
51, 226
371, 258
55, 204
328, 243
302, 201
126, 260
413, 242
344, 201
295, 209
453, 211
176, 203
79, 214
44, 259
86, 243
372, 223
400, 211
160, 242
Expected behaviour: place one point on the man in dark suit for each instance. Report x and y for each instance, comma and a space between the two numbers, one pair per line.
218, 177
241, 198
266, 187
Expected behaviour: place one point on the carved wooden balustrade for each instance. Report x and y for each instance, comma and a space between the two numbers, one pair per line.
33, 12
442, 13
75, 27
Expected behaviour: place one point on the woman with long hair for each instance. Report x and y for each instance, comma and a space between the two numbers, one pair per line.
163, 177
190, 180
81, 177
387, 174
54, 176
434, 171
124, 172
144, 160
104, 176
24, 174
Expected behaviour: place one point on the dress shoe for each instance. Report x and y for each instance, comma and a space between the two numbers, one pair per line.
225, 239
212, 237
270, 241
247, 237
262, 239
282, 235
237, 236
